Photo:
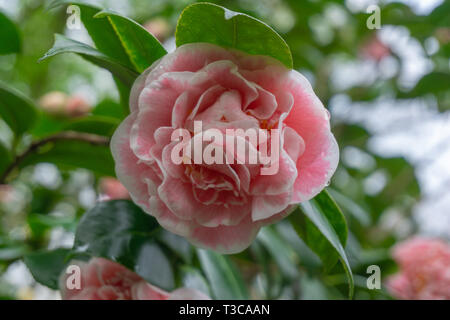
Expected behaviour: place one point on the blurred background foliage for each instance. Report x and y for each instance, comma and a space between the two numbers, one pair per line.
388, 91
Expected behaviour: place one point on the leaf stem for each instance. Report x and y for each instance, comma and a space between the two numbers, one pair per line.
66, 135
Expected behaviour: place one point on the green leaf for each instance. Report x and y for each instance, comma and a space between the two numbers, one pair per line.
192, 278
283, 255
120, 231
119, 37
13, 251
40, 223
434, 82
74, 154
142, 48
9, 36
47, 266
352, 208
101, 31
16, 110
65, 45
333, 214
322, 227
206, 22
100, 125
225, 281
177, 244
5, 157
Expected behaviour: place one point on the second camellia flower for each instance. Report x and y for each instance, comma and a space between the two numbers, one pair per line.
222, 206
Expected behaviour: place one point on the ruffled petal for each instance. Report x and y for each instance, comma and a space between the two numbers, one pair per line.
310, 120
135, 176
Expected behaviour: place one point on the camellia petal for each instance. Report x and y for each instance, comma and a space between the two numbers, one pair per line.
201, 101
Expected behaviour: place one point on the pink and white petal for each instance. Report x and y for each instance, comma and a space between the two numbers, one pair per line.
278, 183
167, 219
205, 196
310, 120
293, 143
316, 167
226, 74
179, 198
85, 294
269, 77
170, 167
264, 106
145, 291
187, 294
207, 98
226, 239
139, 85
109, 293
267, 206
107, 270
129, 170
149, 119
182, 108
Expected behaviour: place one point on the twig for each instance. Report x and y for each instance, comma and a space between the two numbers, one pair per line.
67, 135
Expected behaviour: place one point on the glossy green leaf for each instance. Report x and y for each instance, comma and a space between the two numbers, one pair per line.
101, 31
47, 266
283, 255
352, 208
177, 244
192, 278
432, 83
225, 281
100, 125
12, 251
120, 231
325, 203
206, 22
9, 36
65, 45
47, 124
142, 48
321, 225
5, 157
74, 154
119, 37
16, 110
40, 223
109, 108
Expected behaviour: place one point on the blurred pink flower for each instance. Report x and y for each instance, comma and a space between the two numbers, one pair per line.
112, 189
60, 104
102, 279
158, 27
77, 106
424, 270
375, 49
6, 193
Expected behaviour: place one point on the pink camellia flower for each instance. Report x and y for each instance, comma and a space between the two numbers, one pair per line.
77, 106
102, 279
222, 206
424, 270
112, 189
375, 49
